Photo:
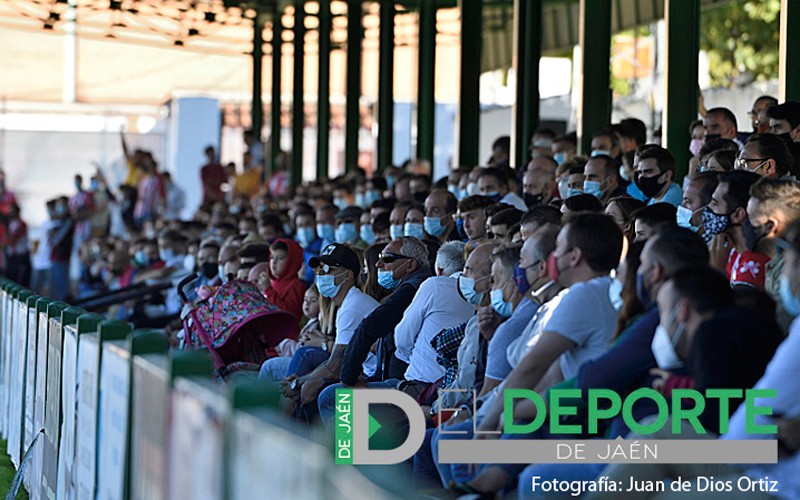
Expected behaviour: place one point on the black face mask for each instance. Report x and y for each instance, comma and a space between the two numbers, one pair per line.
786, 137
532, 200
751, 235
650, 186
711, 137
209, 269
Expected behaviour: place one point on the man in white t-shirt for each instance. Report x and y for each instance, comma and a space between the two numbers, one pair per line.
336, 270
580, 328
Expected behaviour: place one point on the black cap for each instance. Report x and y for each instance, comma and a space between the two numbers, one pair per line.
337, 255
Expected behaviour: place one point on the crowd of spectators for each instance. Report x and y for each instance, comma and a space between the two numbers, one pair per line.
599, 271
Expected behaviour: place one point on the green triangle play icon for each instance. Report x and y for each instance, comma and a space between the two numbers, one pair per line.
373, 426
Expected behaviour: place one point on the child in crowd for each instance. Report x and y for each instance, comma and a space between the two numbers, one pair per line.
285, 288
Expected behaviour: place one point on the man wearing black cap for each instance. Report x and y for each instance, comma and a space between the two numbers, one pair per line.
335, 271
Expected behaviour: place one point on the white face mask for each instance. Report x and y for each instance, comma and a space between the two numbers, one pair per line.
663, 345
615, 293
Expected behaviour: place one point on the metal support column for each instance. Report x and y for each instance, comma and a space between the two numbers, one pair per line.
469, 99
528, 46
789, 66
298, 104
275, 106
426, 102
355, 35
682, 19
323, 94
256, 107
386, 85
594, 111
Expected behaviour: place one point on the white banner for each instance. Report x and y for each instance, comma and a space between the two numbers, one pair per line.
113, 429
69, 387
86, 416
150, 410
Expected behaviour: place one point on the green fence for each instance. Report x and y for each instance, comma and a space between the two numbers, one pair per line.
111, 413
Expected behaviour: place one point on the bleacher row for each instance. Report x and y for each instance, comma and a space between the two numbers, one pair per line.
114, 415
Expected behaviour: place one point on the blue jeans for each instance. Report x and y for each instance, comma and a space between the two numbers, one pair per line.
274, 369
327, 398
306, 359
458, 473
59, 280
424, 462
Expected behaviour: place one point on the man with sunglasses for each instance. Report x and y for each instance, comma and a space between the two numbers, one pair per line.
402, 267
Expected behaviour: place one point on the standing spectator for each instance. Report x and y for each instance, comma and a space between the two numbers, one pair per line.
150, 195
176, 198
212, 176
7, 198
59, 239
255, 150
18, 257
41, 260
81, 209
103, 199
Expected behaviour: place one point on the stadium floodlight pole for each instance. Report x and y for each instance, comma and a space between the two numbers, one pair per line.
256, 108
275, 106
426, 80
528, 47
355, 35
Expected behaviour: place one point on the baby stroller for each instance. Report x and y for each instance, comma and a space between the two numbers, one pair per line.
237, 324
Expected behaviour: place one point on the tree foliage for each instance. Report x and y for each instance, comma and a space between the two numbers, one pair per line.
741, 40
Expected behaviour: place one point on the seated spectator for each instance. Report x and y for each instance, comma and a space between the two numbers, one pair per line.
621, 209
537, 217
380, 228
501, 223
539, 185
581, 202
348, 227
655, 176
337, 270
285, 288
696, 197
602, 179
472, 216
414, 225
494, 184
650, 219
766, 155
397, 219
440, 207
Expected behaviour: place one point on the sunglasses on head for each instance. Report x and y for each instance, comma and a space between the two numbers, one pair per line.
388, 258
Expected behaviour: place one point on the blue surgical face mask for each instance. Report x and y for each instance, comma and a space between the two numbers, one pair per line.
346, 233
340, 203
396, 231
361, 200
467, 287
434, 227
166, 254
598, 152
560, 157
684, 218
623, 172
140, 258
494, 195
563, 188
221, 273
790, 301
390, 180
371, 196
472, 189
593, 188
453, 188
615, 293
305, 236
326, 284
500, 306
94, 185
386, 279
367, 234
573, 191
326, 231
414, 229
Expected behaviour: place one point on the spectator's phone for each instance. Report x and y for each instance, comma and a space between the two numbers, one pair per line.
187, 288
